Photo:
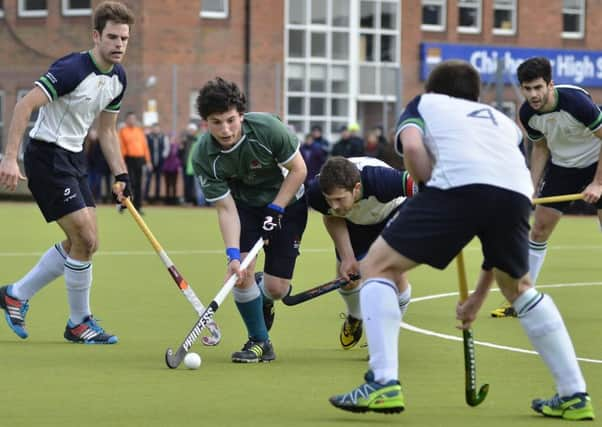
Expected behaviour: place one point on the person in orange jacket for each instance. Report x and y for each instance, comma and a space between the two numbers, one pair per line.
136, 154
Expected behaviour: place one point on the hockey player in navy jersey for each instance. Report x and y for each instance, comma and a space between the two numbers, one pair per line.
358, 196
76, 90
564, 126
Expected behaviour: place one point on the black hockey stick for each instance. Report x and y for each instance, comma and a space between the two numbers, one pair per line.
470, 365
317, 291
172, 359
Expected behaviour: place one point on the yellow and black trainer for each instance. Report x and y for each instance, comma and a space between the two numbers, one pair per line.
505, 310
254, 352
351, 332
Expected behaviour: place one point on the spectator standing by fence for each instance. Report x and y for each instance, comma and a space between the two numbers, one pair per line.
135, 152
158, 147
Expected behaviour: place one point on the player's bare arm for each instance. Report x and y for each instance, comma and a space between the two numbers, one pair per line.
337, 229
539, 158
416, 157
10, 174
467, 311
292, 182
229, 225
593, 191
109, 143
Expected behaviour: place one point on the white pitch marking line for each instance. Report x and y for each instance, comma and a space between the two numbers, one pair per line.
484, 343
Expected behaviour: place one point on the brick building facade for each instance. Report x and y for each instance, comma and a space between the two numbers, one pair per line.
292, 48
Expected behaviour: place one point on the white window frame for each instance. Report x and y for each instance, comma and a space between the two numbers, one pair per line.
581, 12
479, 7
24, 13
513, 9
443, 25
216, 15
69, 11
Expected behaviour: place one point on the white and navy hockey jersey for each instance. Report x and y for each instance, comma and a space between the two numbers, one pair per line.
469, 143
78, 91
382, 190
568, 129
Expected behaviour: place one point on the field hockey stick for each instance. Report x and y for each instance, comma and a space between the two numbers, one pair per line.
172, 359
470, 365
556, 199
180, 282
318, 290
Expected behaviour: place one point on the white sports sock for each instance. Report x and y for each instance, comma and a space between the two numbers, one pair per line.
50, 266
380, 311
352, 301
245, 295
537, 255
78, 279
404, 300
543, 323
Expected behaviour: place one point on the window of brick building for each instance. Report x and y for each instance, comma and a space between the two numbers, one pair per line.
77, 7
33, 8
504, 17
214, 9
434, 14
469, 16
573, 19
338, 53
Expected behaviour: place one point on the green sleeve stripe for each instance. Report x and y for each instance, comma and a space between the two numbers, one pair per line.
596, 122
415, 121
113, 107
49, 87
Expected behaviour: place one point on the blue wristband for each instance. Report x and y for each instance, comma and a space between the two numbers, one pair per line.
232, 254
277, 208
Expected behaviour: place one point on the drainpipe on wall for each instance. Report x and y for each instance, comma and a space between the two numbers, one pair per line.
247, 65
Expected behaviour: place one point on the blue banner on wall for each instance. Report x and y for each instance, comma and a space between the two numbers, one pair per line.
578, 67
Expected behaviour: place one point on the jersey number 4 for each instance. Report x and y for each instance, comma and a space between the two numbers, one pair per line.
483, 113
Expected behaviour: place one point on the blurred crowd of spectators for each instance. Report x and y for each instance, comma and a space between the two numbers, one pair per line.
160, 165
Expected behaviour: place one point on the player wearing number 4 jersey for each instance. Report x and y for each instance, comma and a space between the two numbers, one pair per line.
76, 90
249, 165
564, 126
358, 197
476, 185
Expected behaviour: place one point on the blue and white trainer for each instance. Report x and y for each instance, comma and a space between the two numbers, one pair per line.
88, 332
14, 311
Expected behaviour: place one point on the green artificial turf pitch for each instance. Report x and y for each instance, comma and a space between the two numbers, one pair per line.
48, 382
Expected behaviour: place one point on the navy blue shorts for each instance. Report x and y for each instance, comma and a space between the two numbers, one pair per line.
558, 181
282, 252
57, 179
433, 226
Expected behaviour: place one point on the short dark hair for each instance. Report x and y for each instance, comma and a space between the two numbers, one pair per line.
338, 172
219, 96
534, 68
455, 78
111, 11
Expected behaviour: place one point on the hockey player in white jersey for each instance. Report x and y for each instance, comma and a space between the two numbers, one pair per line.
476, 185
